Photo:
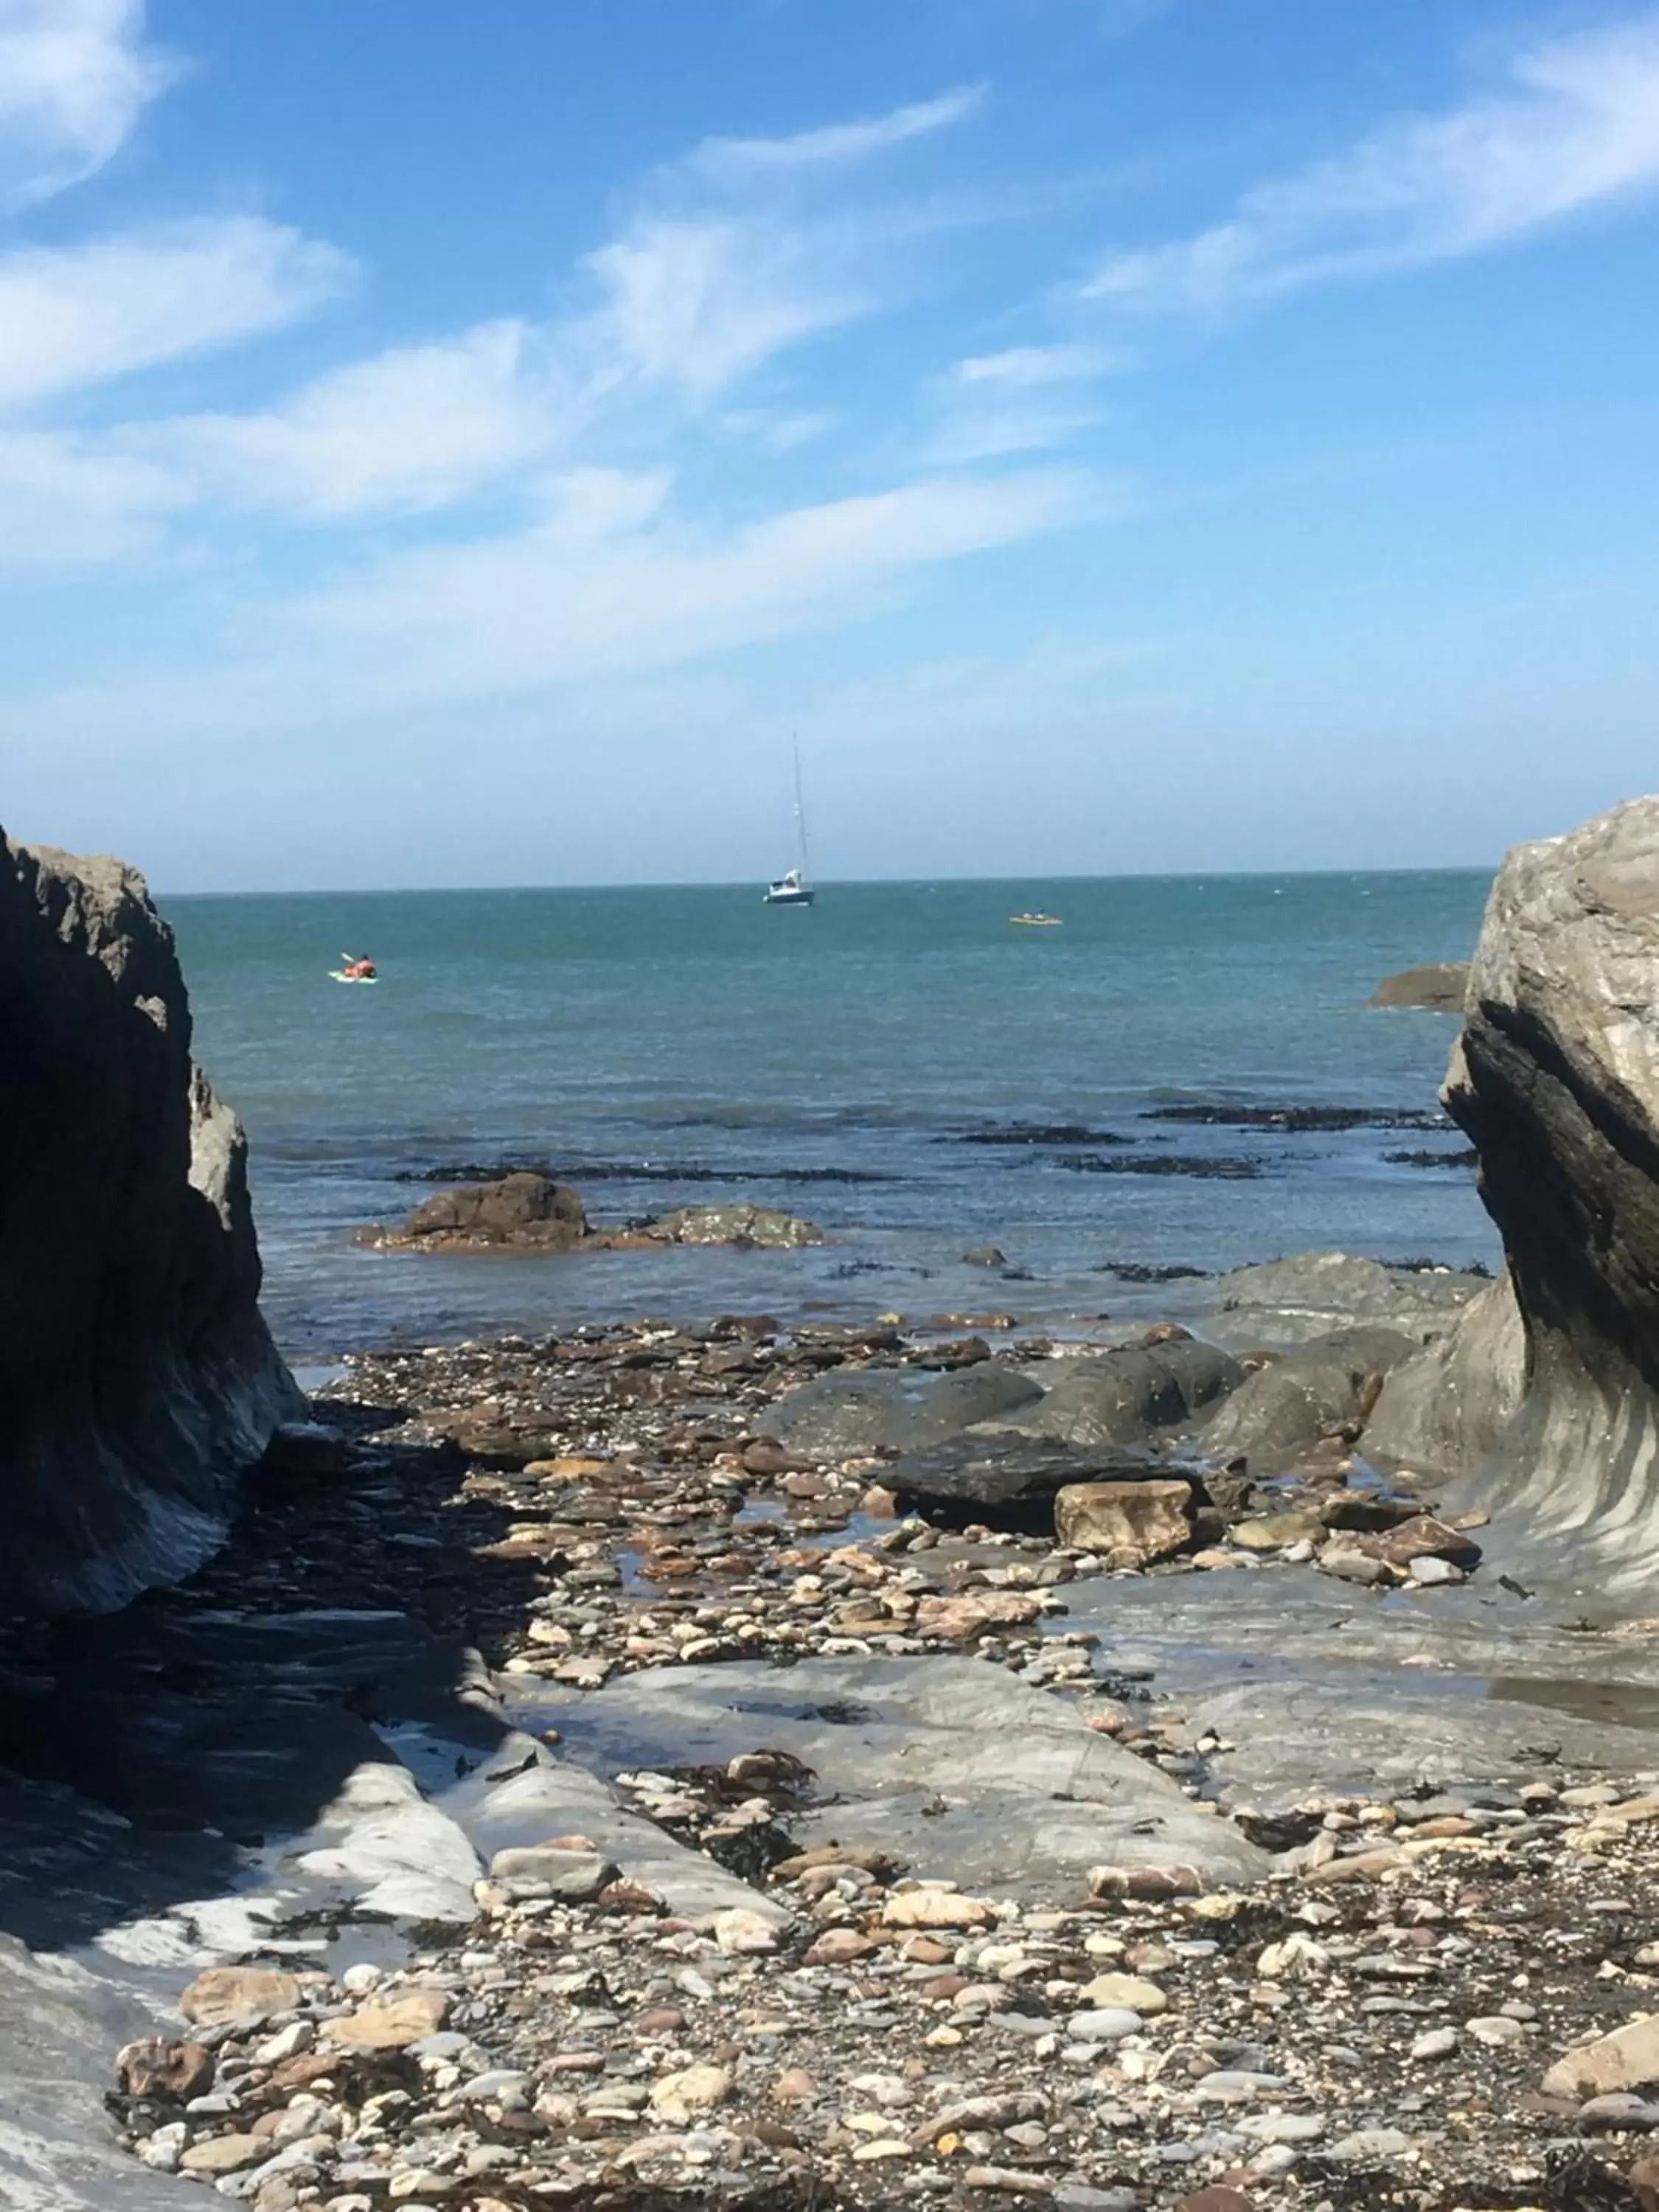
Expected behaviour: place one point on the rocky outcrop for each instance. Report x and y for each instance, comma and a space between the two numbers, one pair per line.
1556, 1078
1442, 1412
135, 1374
1437, 989
525, 1211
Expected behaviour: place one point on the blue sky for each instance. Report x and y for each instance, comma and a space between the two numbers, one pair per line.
458, 444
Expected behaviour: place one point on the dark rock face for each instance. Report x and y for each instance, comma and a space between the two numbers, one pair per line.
1556, 1078
1437, 988
136, 1373
521, 1208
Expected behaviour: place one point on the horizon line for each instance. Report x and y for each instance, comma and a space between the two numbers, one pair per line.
830, 883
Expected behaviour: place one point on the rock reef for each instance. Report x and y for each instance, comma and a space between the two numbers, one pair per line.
137, 1376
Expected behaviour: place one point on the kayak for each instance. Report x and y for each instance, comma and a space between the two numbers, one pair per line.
339, 976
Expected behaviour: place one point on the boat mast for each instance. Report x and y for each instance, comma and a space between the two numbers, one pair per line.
801, 811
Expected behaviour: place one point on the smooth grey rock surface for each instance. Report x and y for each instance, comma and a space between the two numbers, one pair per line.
1289, 1403
137, 1374
896, 1408
1123, 1396
1442, 1412
945, 1761
1282, 1304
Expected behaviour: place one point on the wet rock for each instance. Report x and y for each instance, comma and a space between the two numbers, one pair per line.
985, 1256
521, 1209
1288, 1405
1123, 1397
1423, 1537
1002, 1471
1289, 1303
1128, 1524
842, 1416
1437, 988
759, 1225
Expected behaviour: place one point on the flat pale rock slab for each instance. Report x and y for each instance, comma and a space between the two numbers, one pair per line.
223, 1993
1626, 2059
391, 2022
952, 1767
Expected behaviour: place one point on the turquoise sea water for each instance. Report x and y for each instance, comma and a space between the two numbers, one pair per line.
664, 1047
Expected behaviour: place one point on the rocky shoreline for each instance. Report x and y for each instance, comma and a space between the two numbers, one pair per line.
797, 1764
823, 1856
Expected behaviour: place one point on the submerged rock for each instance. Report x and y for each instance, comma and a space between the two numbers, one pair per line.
761, 1226
1437, 988
138, 1376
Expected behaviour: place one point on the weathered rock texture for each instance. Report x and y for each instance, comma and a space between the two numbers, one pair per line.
1442, 1412
1556, 1078
136, 1373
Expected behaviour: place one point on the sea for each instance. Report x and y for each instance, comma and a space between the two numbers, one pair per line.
901, 1064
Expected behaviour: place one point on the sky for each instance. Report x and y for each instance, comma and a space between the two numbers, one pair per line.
449, 444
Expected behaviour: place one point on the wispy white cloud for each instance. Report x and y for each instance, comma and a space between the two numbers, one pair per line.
737, 161
74, 502
1017, 401
1025, 367
75, 76
414, 429
1576, 127
613, 579
80, 315
698, 302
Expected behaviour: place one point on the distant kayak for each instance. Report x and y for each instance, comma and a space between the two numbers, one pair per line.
357, 969
339, 976
1035, 921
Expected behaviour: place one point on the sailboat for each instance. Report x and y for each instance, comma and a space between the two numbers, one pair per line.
792, 888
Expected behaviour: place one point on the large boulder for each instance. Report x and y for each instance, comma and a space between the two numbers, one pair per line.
137, 1376
1556, 1078
1123, 1396
520, 1208
1289, 1403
